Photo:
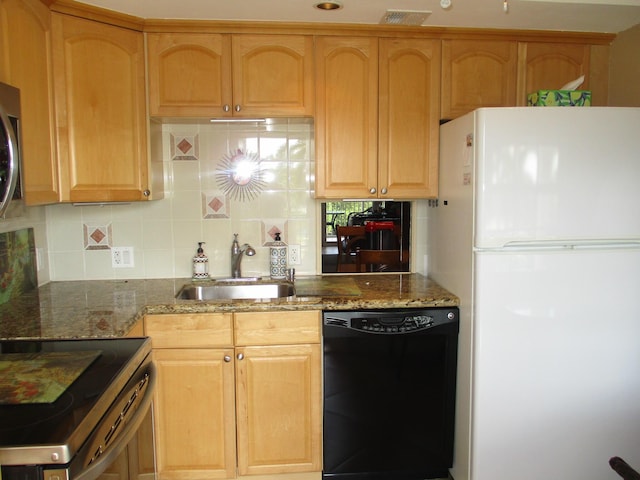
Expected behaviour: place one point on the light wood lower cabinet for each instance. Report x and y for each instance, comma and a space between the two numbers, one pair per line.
246, 379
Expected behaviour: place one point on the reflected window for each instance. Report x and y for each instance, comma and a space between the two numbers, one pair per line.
365, 236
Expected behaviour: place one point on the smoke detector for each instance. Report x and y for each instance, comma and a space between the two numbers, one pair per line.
404, 17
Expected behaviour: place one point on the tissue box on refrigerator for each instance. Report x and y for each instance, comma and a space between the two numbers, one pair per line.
560, 98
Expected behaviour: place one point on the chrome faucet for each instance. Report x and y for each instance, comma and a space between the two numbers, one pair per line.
236, 255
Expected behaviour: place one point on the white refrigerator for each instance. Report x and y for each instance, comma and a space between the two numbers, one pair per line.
537, 230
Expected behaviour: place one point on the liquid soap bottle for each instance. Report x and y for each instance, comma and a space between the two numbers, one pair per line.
200, 264
278, 259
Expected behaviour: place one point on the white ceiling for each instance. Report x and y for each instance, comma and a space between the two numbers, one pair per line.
609, 16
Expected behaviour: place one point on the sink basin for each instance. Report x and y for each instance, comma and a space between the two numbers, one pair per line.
235, 290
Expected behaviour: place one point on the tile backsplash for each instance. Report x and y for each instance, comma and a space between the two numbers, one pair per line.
165, 233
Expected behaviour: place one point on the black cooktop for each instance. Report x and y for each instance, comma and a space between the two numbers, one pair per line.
68, 420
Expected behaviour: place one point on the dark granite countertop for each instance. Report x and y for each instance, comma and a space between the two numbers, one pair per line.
110, 308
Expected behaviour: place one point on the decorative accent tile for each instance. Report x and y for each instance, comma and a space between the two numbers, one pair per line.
215, 205
270, 228
185, 147
97, 237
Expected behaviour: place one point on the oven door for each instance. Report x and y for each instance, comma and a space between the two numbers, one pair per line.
123, 441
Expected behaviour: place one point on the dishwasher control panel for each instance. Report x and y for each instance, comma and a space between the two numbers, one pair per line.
391, 321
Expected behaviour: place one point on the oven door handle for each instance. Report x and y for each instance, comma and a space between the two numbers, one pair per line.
98, 467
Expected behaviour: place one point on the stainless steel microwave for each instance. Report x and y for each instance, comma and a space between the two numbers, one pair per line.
10, 187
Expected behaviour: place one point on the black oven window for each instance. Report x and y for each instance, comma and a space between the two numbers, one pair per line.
365, 236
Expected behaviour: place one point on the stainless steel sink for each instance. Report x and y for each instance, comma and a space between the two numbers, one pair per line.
236, 290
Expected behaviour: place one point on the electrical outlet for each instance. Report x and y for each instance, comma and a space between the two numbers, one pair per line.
122, 257
294, 254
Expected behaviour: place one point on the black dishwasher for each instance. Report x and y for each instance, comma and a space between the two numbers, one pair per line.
389, 393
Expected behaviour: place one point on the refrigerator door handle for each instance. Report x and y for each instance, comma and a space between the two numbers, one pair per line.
565, 245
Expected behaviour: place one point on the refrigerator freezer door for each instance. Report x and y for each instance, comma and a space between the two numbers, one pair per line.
557, 366
543, 174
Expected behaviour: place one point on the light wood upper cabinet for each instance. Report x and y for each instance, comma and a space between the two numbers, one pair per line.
409, 89
477, 73
219, 75
25, 46
501, 73
189, 74
100, 110
346, 122
376, 117
273, 74
549, 66
225, 380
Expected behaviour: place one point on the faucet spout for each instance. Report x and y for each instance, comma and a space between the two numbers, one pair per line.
237, 252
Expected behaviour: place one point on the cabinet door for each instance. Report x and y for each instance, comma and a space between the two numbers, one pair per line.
477, 73
100, 106
189, 74
409, 118
273, 75
346, 121
194, 414
549, 66
278, 409
25, 27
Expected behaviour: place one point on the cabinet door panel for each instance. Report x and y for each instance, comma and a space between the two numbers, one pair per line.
549, 66
273, 74
477, 73
195, 438
100, 106
346, 119
409, 118
26, 25
278, 409
189, 74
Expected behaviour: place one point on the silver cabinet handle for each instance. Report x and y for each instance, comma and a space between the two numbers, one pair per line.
372, 190
240, 356
227, 358
146, 193
383, 191
237, 108
226, 108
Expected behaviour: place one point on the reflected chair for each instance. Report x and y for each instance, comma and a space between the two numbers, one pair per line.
380, 260
349, 239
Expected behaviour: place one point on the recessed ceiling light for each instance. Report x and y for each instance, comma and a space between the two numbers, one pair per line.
330, 5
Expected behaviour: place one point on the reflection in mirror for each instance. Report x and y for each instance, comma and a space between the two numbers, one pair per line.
365, 236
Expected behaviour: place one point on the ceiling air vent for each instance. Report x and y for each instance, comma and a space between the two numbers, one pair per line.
404, 17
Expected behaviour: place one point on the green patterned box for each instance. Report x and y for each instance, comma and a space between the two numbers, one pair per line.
559, 98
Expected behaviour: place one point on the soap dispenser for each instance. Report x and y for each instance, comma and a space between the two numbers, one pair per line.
278, 254
200, 264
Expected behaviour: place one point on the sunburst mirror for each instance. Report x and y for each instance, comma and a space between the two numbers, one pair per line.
240, 176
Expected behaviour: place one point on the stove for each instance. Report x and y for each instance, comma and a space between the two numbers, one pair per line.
74, 427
